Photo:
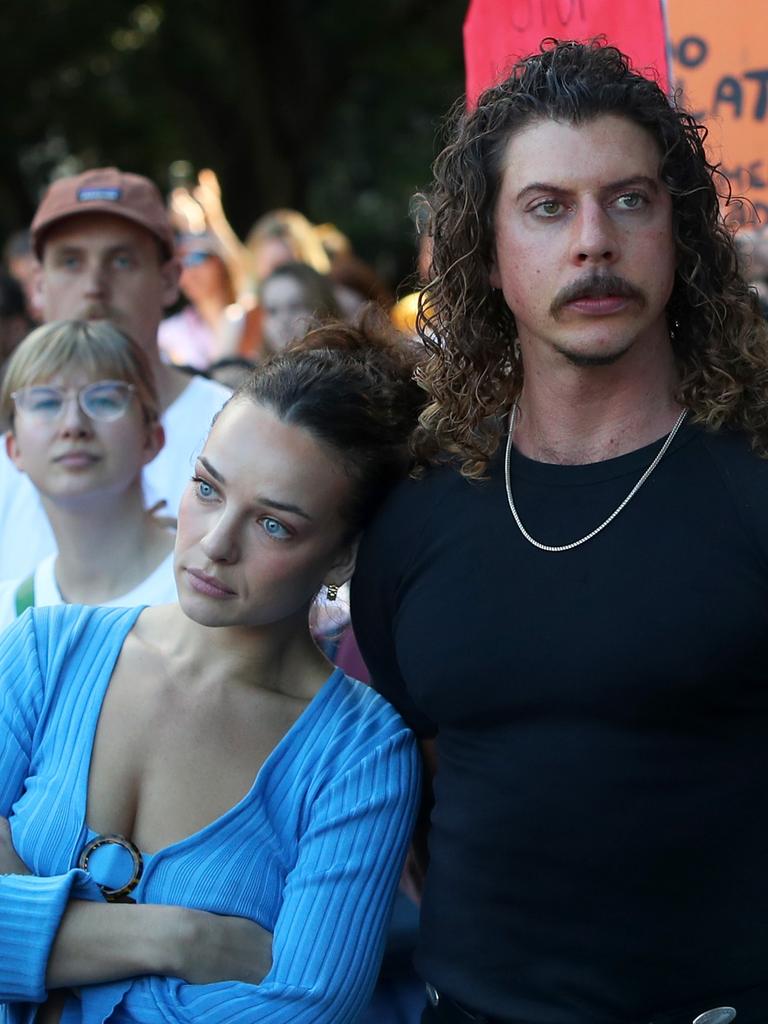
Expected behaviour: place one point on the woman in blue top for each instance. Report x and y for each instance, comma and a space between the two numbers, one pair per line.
206, 822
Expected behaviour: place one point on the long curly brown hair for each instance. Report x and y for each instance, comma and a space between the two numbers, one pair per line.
473, 371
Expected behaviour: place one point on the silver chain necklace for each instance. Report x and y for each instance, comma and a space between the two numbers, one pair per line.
611, 517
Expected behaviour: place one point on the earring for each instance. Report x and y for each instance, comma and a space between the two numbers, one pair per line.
332, 591
674, 327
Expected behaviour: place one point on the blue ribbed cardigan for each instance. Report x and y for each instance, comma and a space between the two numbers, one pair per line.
313, 851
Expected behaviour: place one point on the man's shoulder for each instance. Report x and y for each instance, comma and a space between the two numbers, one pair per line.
733, 454
200, 394
415, 508
742, 475
439, 483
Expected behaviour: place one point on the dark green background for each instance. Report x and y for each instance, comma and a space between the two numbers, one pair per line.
329, 106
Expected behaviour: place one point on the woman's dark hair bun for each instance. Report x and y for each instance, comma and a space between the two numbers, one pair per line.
352, 386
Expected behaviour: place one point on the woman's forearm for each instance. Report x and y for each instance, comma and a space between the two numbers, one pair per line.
105, 942
99, 942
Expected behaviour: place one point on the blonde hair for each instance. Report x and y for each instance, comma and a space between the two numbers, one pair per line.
298, 233
100, 349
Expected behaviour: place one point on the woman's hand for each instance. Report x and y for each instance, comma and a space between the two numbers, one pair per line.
208, 193
10, 862
218, 948
187, 214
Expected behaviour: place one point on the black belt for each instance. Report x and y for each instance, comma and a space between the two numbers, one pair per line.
449, 1011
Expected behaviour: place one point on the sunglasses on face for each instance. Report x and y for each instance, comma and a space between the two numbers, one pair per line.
104, 400
195, 258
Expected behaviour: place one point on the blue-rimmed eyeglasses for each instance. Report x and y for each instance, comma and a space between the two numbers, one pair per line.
195, 257
104, 400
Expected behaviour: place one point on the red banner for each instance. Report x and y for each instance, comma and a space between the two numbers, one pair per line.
499, 32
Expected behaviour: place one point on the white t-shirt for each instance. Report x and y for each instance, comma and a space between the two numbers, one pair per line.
25, 535
158, 588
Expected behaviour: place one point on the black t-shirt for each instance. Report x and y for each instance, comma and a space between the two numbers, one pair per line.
599, 843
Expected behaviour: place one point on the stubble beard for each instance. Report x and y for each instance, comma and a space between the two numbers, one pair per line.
588, 359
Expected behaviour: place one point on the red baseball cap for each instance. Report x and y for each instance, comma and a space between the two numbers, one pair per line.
104, 190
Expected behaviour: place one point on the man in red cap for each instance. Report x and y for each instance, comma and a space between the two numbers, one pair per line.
105, 246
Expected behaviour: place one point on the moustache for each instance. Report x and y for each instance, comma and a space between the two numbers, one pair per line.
596, 286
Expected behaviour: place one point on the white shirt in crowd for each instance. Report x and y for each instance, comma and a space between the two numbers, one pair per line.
158, 588
25, 535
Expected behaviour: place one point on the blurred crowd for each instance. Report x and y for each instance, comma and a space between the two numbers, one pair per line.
241, 300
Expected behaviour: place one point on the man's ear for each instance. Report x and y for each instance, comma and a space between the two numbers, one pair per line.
12, 450
155, 440
36, 293
341, 570
170, 272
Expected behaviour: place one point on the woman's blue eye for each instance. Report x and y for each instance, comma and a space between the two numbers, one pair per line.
45, 403
274, 528
203, 488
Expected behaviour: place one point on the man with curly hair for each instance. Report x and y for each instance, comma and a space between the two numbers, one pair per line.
572, 597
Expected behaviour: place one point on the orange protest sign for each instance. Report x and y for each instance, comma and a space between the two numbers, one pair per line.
720, 62
499, 32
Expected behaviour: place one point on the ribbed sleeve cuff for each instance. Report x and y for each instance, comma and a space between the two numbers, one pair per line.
31, 909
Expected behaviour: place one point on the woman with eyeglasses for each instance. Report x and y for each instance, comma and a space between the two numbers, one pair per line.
207, 821
83, 421
217, 323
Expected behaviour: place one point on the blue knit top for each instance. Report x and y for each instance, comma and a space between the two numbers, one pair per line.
312, 852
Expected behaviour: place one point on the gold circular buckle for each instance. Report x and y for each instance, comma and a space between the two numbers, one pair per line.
121, 894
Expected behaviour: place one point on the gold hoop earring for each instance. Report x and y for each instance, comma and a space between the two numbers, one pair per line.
332, 591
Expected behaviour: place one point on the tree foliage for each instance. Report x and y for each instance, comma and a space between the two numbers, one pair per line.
327, 107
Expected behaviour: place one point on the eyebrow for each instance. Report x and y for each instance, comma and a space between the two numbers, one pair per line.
279, 506
639, 179
214, 472
70, 248
283, 506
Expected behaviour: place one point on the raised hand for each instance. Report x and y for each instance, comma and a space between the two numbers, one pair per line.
187, 214
208, 193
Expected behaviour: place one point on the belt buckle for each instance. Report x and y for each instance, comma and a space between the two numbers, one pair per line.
121, 893
718, 1015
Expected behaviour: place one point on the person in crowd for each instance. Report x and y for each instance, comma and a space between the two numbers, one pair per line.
355, 282
285, 236
83, 418
214, 325
201, 207
290, 298
752, 249
14, 321
280, 236
106, 250
405, 311
206, 821
21, 263
572, 601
